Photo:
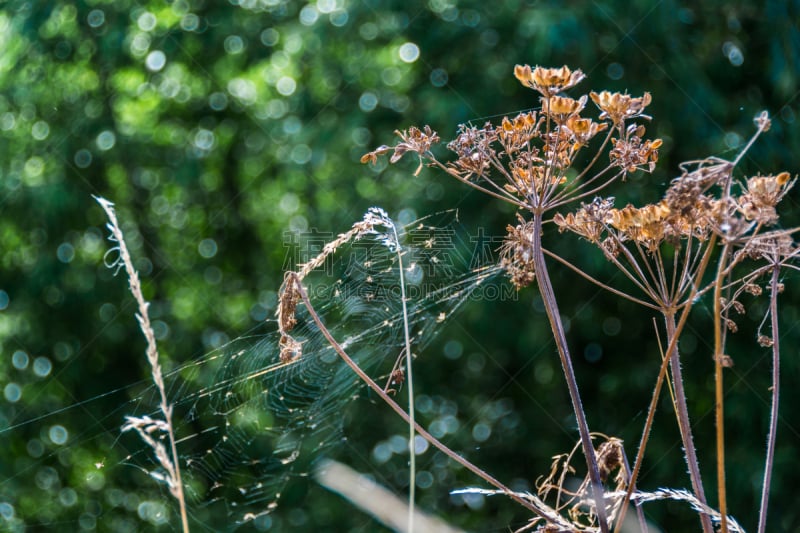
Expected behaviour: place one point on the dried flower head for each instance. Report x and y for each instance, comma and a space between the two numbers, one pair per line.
561, 108
526, 177
516, 254
582, 130
412, 140
619, 106
762, 195
688, 191
517, 133
590, 221
548, 81
765, 341
474, 149
631, 152
645, 225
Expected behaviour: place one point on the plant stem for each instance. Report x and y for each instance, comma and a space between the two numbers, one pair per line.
178, 481
143, 317
651, 411
412, 462
682, 412
773, 419
639, 512
377, 389
551, 307
718, 391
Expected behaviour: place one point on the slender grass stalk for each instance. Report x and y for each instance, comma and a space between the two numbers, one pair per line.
551, 307
773, 419
409, 379
145, 426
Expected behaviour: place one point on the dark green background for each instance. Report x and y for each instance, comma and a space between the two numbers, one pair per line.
207, 147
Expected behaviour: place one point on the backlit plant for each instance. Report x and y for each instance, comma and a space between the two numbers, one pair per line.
709, 234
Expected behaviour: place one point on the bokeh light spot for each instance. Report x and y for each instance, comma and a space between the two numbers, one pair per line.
96, 18
20, 360
368, 101
106, 140
409, 52
42, 366
207, 248
146, 21
83, 158
439, 77
155, 60
65, 252
40, 130
12, 392
286, 86
58, 434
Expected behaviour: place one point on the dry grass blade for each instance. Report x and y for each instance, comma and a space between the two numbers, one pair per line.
148, 428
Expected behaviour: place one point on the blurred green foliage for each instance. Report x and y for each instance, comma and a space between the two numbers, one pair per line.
218, 127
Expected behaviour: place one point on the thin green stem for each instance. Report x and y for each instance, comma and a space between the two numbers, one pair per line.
551, 307
409, 379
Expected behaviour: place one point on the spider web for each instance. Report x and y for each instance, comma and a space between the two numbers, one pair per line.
247, 423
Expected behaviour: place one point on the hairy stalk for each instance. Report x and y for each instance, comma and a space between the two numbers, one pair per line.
377, 389
718, 391
773, 419
551, 306
412, 466
145, 426
682, 412
651, 410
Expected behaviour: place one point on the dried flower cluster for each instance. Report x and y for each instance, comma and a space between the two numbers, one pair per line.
545, 159
693, 207
529, 159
